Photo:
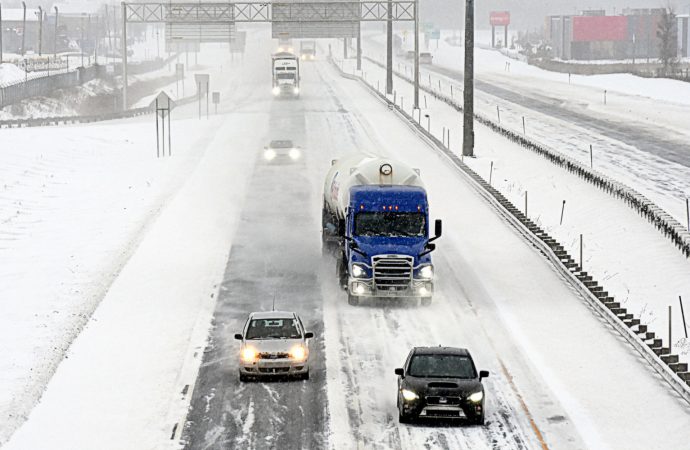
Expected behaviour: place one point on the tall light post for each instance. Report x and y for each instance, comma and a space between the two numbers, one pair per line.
416, 54
0, 33
468, 110
24, 29
56, 35
40, 31
389, 49
81, 40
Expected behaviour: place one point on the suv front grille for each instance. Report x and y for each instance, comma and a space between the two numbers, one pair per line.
392, 271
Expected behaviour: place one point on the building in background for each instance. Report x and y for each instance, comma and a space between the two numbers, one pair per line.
593, 35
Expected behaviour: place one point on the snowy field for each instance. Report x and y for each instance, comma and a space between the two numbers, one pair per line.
128, 276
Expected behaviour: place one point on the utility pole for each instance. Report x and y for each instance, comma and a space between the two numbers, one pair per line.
40, 31
81, 40
124, 56
468, 111
359, 46
24, 30
416, 54
1, 33
389, 49
56, 34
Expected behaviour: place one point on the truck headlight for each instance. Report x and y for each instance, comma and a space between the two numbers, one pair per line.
358, 271
298, 353
248, 354
409, 395
276, 90
270, 154
426, 272
295, 153
295, 90
476, 397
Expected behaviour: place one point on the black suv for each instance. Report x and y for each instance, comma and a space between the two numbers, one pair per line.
441, 383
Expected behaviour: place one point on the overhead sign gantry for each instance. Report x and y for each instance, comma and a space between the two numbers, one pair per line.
216, 21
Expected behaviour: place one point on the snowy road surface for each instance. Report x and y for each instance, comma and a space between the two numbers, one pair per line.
240, 230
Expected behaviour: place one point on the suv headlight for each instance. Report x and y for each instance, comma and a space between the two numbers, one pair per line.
409, 395
426, 272
358, 271
476, 397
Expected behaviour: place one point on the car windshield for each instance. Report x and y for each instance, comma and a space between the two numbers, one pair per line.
442, 366
273, 329
281, 144
392, 224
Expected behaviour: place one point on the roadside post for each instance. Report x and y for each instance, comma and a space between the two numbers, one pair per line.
202, 86
163, 105
216, 100
179, 76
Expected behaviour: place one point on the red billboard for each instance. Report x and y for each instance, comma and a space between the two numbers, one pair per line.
499, 18
600, 28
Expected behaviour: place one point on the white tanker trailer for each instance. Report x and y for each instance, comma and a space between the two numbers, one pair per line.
375, 210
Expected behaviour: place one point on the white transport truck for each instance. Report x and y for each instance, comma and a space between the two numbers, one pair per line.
376, 218
286, 74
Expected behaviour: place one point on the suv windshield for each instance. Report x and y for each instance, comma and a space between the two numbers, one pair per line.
442, 366
393, 224
273, 329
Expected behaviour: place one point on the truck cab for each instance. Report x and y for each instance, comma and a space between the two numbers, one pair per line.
286, 75
387, 246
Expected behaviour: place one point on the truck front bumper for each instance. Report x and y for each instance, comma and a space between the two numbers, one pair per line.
362, 287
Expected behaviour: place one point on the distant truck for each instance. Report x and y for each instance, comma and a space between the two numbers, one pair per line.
307, 50
285, 45
286, 76
376, 218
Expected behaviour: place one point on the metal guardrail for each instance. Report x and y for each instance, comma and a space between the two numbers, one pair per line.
645, 342
678, 234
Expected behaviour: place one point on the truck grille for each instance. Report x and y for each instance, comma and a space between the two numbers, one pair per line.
392, 271
440, 400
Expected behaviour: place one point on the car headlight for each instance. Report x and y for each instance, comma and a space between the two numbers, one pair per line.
409, 395
295, 153
476, 397
270, 154
276, 90
296, 90
358, 271
298, 353
248, 354
426, 272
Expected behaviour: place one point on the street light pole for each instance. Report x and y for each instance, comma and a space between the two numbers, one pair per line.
40, 31
24, 29
389, 49
56, 34
81, 41
468, 110
123, 44
0, 33
416, 54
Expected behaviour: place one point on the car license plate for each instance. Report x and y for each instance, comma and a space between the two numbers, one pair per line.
443, 400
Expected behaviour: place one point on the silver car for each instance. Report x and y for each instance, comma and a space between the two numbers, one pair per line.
274, 343
282, 151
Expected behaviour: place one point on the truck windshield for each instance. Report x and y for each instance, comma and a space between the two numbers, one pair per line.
273, 329
392, 224
441, 366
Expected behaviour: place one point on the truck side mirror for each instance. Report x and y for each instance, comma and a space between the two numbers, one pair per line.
238, 336
341, 227
483, 374
438, 230
400, 372
429, 248
308, 335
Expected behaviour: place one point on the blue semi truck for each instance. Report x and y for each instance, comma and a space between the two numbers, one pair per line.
376, 222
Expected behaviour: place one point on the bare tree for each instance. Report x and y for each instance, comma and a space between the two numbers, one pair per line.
667, 33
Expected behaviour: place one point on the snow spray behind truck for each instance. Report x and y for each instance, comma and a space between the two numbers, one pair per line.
376, 218
285, 67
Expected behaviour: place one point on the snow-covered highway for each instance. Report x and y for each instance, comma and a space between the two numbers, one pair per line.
235, 231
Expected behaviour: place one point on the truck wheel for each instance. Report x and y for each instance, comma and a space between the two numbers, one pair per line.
352, 300
479, 420
305, 376
426, 301
243, 378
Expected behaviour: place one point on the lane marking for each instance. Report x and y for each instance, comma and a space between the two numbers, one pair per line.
532, 423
